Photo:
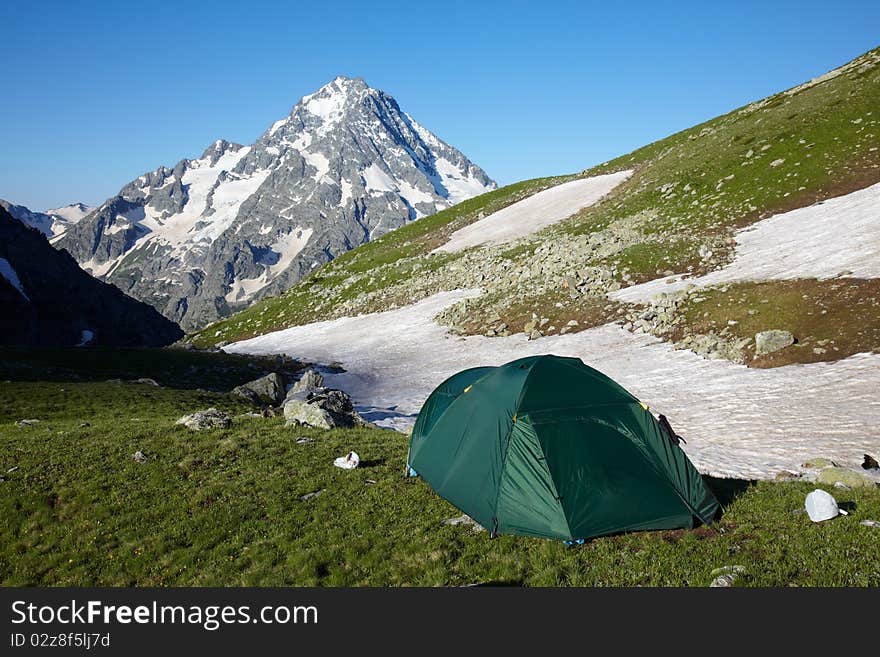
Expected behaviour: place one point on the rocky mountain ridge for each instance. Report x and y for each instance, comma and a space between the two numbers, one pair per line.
211, 235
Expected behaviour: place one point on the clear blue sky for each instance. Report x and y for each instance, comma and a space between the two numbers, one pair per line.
96, 93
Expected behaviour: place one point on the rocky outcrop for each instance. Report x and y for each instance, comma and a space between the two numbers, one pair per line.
324, 408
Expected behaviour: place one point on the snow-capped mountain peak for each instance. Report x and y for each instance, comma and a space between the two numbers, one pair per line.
52, 223
212, 234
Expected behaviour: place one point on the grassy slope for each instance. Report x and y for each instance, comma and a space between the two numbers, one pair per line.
223, 508
827, 136
691, 189
830, 319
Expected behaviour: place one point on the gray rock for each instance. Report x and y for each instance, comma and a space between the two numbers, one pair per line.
267, 389
851, 478
323, 408
210, 418
139, 457
767, 342
465, 520
309, 496
27, 423
311, 379
148, 382
870, 523
818, 462
725, 576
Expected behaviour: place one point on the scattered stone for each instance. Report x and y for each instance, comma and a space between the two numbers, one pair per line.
870, 463
309, 496
83, 425
210, 418
787, 475
139, 457
148, 382
369, 482
776, 163
767, 342
27, 423
267, 389
870, 523
818, 462
465, 520
304, 441
725, 576
852, 478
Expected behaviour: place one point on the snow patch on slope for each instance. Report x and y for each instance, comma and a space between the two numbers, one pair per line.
287, 247
818, 241
8, 272
460, 184
534, 213
739, 422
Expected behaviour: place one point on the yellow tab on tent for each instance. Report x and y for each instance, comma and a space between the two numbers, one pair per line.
644, 405
514, 417
468, 388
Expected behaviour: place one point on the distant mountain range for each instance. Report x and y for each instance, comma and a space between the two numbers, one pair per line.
52, 223
46, 298
209, 236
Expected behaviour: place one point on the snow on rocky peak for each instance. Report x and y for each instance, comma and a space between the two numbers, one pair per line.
213, 234
52, 223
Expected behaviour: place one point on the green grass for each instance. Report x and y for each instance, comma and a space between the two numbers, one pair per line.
830, 319
177, 368
223, 508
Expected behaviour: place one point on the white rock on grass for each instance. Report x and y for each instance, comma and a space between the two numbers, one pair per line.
210, 418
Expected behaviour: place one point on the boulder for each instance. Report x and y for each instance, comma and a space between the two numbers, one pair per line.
267, 389
852, 478
324, 408
311, 379
767, 342
210, 418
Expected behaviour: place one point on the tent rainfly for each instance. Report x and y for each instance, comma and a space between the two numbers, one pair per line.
547, 446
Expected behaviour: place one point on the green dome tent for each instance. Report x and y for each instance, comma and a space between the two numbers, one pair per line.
547, 446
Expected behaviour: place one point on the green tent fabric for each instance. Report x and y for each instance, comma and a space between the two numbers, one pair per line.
547, 446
